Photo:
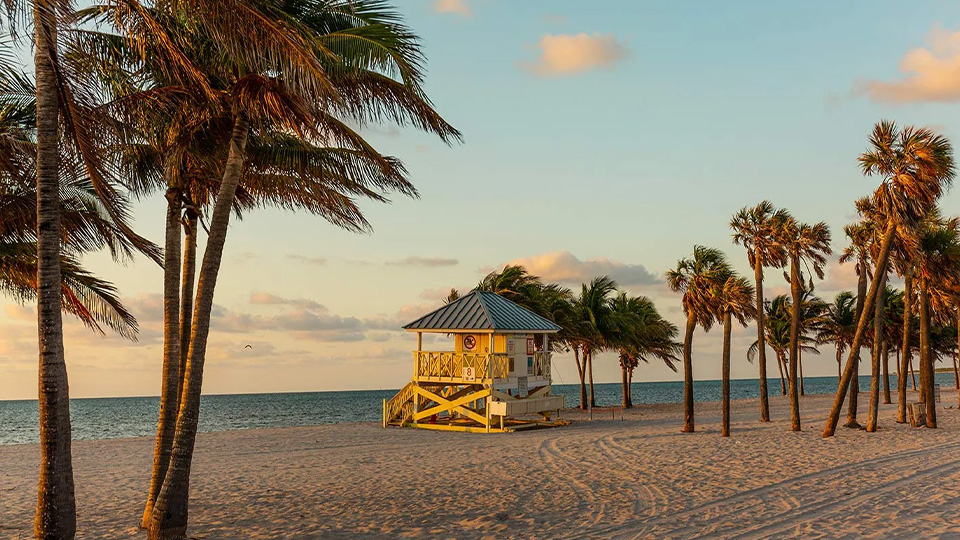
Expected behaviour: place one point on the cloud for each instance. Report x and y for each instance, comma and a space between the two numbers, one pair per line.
315, 261
456, 7
267, 299
931, 74
840, 277
567, 54
427, 262
565, 267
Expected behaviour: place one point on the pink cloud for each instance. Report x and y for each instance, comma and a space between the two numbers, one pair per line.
456, 7
565, 267
568, 54
931, 74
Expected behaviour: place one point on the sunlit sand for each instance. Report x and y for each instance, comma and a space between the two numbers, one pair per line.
636, 478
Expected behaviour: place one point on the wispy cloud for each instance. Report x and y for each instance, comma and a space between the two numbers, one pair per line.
568, 54
428, 262
456, 7
565, 267
267, 299
931, 74
303, 259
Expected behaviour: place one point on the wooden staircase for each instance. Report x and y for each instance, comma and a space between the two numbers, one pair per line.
398, 411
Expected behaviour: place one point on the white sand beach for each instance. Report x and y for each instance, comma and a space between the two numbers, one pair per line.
636, 478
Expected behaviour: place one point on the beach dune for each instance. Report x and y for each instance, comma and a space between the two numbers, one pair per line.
635, 478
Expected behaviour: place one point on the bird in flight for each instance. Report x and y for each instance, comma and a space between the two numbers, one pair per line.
248, 347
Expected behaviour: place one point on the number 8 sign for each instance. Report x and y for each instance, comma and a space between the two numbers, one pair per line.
469, 374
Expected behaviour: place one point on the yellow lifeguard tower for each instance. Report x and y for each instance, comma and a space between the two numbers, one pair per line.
498, 370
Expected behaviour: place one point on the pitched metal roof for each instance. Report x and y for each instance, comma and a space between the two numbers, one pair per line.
481, 310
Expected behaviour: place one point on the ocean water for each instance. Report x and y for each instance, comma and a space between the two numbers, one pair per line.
111, 418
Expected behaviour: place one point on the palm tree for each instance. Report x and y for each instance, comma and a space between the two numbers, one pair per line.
938, 276
777, 322
640, 333
915, 166
734, 299
51, 139
876, 352
812, 313
839, 324
805, 244
594, 323
298, 88
860, 235
892, 327
753, 229
696, 277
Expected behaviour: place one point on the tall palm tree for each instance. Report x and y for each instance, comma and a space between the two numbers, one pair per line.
734, 300
860, 235
938, 277
838, 326
813, 310
876, 353
56, 122
595, 324
808, 245
696, 277
915, 166
303, 89
753, 229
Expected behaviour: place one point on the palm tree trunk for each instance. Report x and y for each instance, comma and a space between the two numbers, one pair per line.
761, 344
582, 372
839, 360
630, 388
588, 355
794, 342
850, 370
904, 358
725, 428
56, 516
800, 366
169, 400
913, 376
956, 373
875, 356
169, 519
688, 422
926, 359
886, 371
186, 295
783, 381
626, 389
853, 402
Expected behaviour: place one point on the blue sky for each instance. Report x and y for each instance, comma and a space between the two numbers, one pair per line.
598, 137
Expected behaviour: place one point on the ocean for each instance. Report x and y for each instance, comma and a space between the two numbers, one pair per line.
112, 418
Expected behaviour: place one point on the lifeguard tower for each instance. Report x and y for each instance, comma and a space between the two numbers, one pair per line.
498, 370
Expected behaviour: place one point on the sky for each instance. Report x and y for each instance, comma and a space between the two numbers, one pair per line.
596, 141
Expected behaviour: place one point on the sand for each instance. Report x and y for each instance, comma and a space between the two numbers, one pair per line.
636, 478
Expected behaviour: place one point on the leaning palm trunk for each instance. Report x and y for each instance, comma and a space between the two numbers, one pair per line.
905, 361
926, 359
56, 516
582, 372
169, 399
839, 361
725, 427
850, 368
875, 358
794, 343
169, 518
853, 403
761, 343
186, 294
783, 381
688, 423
